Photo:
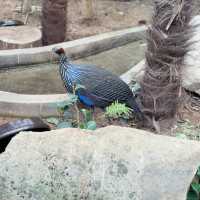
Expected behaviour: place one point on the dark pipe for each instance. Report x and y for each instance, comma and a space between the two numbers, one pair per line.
4, 23
10, 129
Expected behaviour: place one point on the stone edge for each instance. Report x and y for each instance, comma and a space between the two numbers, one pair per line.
75, 49
23, 105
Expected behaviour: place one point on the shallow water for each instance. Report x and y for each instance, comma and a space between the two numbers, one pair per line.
45, 79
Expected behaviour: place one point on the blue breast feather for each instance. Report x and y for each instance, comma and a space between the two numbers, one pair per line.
85, 100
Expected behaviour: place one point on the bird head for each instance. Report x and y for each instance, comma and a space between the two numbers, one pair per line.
58, 50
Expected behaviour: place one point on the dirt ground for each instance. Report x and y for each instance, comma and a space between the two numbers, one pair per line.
109, 15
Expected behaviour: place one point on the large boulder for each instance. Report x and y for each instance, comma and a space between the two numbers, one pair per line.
109, 163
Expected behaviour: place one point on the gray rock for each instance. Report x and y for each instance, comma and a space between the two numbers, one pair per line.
109, 163
191, 73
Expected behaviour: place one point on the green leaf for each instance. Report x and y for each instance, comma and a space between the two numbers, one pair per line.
91, 125
196, 187
53, 120
64, 125
82, 126
60, 110
192, 196
118, 110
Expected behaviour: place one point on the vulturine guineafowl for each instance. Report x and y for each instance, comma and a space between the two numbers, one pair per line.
100, 87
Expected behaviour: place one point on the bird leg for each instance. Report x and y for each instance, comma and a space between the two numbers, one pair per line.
76, 106
77, 114
93, 113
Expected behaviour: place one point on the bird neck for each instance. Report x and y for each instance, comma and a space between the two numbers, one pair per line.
63, 59
64, 65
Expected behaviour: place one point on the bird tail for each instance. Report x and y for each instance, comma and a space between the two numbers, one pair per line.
136, 109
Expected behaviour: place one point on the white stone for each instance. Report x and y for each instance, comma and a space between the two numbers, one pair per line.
191, 73
109, 163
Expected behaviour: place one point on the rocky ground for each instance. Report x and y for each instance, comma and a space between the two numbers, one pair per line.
109, 15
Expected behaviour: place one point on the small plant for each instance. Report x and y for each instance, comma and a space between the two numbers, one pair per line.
87, 123
65, 119
64, 105
118, 110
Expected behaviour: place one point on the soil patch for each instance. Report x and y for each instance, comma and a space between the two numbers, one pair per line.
188, 125
109, 15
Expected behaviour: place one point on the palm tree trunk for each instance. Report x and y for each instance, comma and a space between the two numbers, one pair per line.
54, 21
167, 44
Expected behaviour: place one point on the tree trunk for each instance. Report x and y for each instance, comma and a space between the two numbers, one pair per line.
54, 21
168, 42
26, 7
